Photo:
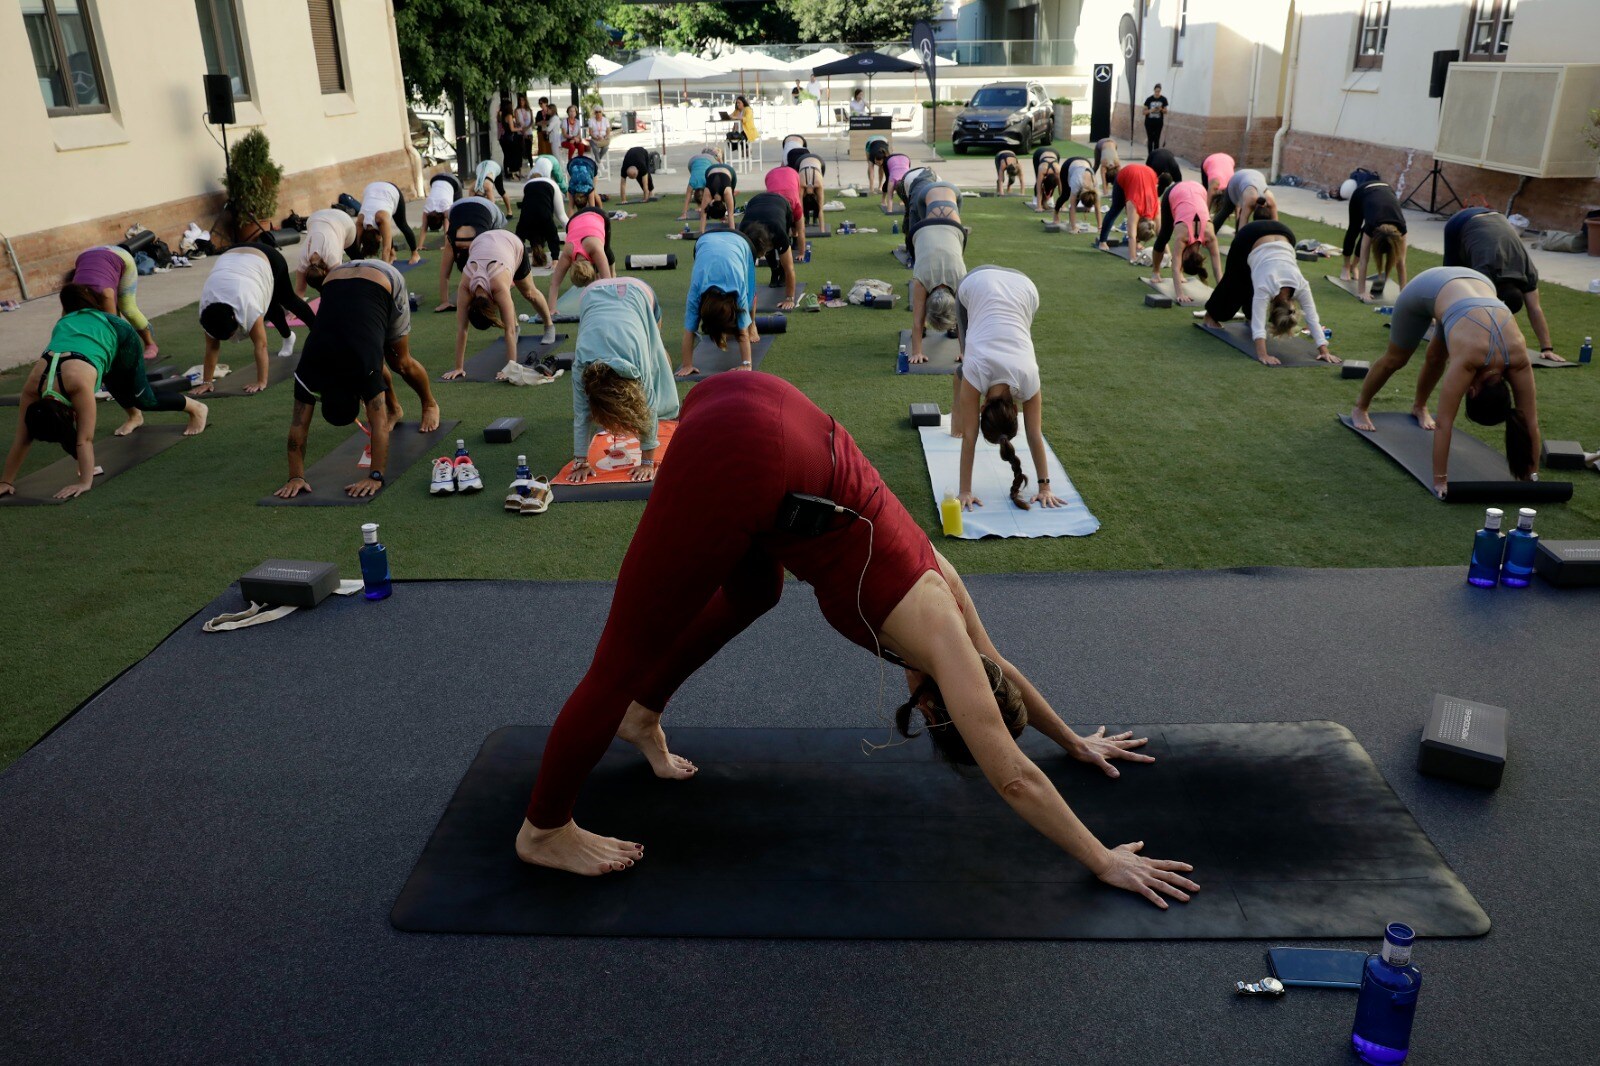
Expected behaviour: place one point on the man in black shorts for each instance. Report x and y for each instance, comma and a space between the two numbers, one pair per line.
769, 224
636, 165
361, 332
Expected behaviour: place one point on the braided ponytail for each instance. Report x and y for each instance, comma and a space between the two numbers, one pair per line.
998, 424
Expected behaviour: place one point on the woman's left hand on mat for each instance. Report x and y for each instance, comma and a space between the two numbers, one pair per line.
969, 501
1097, 749
643, 472
1046, 498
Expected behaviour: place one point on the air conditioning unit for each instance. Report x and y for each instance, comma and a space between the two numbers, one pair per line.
1522, 118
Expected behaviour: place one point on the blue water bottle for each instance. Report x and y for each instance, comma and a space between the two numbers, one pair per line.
461, 448
374, 564
1488, 551
524, 476
894, 227
867, 300
1388, 1001
1521, 547
1586, 353
902, 363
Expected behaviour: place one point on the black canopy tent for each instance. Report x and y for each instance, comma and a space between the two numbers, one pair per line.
868, 63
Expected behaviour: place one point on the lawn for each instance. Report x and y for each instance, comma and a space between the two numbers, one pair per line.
1068, 149
1191, 455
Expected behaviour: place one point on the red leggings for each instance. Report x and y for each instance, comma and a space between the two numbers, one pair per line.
707, 560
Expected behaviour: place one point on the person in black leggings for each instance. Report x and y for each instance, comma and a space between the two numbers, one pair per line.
1378, 227
1165, 164
1270, 287
231, 295
1155, 119
1482, 239
467, 218
541, 219
636, 165
768, 223
443, 191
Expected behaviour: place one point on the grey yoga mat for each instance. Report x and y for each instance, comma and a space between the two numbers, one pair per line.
943, 352
1391, 291
243, 374
1478, 473
1296, 351
330, 474
768, 298
114, 455
486, 364
709, 359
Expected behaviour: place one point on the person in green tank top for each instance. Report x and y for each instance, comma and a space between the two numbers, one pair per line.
89, 350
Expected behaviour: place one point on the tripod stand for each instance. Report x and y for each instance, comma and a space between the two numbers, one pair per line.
1432, 182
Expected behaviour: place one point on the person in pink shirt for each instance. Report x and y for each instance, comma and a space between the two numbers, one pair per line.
1218, 171
1185, 209
111, 282
785, 181
587, 253
497, 261
894, 168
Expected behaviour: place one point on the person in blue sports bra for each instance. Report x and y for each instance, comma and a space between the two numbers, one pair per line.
1477, 357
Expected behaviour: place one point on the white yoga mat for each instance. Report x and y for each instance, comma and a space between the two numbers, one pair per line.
991, 483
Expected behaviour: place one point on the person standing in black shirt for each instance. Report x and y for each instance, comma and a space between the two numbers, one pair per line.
1155, 117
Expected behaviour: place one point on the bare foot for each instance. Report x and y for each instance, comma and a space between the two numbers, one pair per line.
430, 419
197, 420
135, 420
397, 414
1362, 420
1424, 419
641, 727
575, 850
1209, 322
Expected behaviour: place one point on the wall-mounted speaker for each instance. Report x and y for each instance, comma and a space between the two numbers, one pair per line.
219, 99
1441, 69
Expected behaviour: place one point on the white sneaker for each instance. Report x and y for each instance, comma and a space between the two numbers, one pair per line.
444, 476
365, 462
467, 479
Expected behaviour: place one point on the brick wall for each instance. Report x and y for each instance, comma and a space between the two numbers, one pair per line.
1549, 203
46, 255
1196, 136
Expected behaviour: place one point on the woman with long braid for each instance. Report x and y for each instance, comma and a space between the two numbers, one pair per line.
999, 374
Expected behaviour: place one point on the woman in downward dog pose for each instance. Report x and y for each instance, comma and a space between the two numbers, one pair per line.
1217, 170
937, 242
813, 189
722, 297
1483, 240
894, 168
1248, 200
1477, 355
587, 253
247, 288
1263, 274
1136, 190
1378, 227
1077, 193
877, 149
383, 210
1184, 204
1008, 171
999, 377
706, 563
1046, 176
110, 281
497, 262
1106, 164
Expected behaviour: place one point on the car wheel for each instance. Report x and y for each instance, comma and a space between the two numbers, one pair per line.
1050, 132
961, 149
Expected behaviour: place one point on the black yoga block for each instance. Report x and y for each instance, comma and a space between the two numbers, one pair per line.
925, 414
767, 325
1054, 227
1561, 455
1307, 257
1464, 741
1354, 368
290, 582
504, 430
1156, 299
1568, 563
563, 361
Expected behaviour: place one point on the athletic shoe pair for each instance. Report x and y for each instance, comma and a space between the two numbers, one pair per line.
454, 475
529, 496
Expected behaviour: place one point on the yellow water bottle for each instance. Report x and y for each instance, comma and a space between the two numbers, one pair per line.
950, 515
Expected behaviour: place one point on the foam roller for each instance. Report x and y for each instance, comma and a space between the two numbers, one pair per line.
767, 325
653, 262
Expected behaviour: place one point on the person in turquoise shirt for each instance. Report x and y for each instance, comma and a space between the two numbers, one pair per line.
89, 350
722, 296
694, 192
548, 166
621, 378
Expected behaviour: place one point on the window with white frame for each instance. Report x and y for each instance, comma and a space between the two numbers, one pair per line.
1489, 33
223, 46
1373, 36
61, 38
1180, 32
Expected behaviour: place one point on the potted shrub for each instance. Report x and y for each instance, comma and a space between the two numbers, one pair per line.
252, 184
1063, 117
941, 114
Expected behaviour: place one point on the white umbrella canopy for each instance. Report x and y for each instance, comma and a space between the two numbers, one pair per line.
600, 66
911, 55
656, 68
816, 59
744, 59
706, 69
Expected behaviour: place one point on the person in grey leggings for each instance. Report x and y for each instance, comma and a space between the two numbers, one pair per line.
1249, 198
1477, 355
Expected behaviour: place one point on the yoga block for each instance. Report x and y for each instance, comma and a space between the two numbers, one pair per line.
289, 583
1054, 227
563, 362
1561, 455
165, 370
504, 430
881, 303
1307, 257
1354, 368
669, 261
1464, 741
767, 325
924, 414
1156, 299
1568, 563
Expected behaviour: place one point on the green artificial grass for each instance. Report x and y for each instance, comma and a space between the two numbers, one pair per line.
1192, 456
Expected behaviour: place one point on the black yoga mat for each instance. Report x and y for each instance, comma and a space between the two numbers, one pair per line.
943, 352
243, 374
902, 256
1478, 473
1538, 360
405, 266
114, 455
709, 359
330, 474
486, 364
1391, 291
1295, 351
816, 233
768, 297
1292, 831
1120, 250
888, 210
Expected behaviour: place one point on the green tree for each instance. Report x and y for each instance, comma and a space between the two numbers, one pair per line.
468, 49
690, 26
858, 20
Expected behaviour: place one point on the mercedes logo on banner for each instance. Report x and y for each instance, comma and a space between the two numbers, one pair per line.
1102, 72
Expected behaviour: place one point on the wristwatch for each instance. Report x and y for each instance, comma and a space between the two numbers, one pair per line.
375, 475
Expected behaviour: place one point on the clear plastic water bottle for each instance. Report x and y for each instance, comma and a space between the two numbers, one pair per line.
374, 564
902, 362
1488, 551
524, 476
1586, 353
1521, 546
1388, 1000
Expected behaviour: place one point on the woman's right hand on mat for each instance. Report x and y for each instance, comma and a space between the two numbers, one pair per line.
7, 489
453, 375
581, 470
1046, 498
292, 488
969, 501
202, 388
1151, 878
75, 489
